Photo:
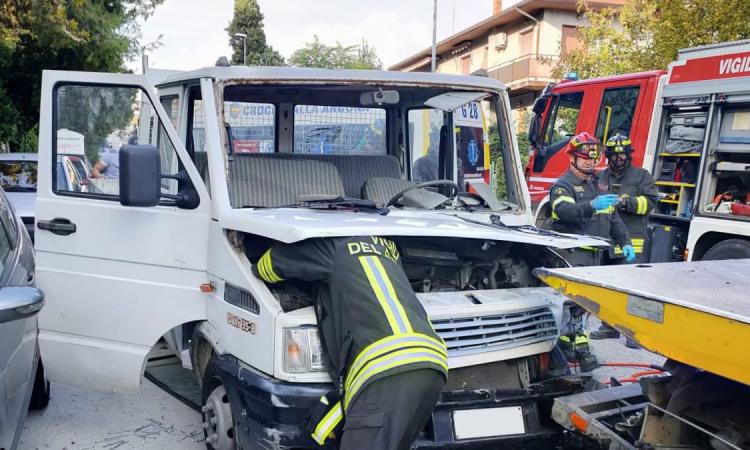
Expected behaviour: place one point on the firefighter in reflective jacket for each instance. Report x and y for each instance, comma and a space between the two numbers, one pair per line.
386, 361
579, 206
634, 186
637, 192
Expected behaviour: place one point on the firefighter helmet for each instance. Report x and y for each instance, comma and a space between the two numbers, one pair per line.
584, 145
618, 144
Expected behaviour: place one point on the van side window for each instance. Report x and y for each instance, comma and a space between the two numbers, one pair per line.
339, 130
196, 134
92, 123
622, 102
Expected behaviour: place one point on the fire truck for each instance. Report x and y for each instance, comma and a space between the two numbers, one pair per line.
690, 126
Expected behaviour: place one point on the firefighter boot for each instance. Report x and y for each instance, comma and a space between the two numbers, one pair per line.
605, 332
586, 360
566, 343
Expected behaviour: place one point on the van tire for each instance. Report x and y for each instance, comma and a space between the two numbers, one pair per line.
729, 249
41, 392
218, 422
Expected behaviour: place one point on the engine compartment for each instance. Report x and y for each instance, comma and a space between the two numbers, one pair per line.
436, 265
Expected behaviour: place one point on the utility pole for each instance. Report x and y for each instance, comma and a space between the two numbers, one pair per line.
242, 36
434, 32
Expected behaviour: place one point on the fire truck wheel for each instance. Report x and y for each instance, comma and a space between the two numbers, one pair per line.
729, 249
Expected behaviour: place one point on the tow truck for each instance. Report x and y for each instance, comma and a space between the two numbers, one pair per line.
690, 127
701, 402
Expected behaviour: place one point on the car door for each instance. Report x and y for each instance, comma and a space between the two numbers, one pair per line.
117, 278
18, 345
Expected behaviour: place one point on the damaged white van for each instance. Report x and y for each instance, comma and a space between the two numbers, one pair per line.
219, 163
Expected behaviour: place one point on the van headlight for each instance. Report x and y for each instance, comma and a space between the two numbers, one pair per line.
302, 350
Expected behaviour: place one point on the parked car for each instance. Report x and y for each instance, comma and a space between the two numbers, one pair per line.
23, 384
18, 173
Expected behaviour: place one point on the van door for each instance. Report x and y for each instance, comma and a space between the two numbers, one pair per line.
117, 278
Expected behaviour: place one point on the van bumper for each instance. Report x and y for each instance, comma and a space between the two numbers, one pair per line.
272, 414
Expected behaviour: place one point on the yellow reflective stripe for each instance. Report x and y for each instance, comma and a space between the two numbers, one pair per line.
562, 198
389, 344
329, 422
390, 361
637, 242
642, 205
384, 292
608, 210
636, 248
265, 267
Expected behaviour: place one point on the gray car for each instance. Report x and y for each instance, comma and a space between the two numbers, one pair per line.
22, 381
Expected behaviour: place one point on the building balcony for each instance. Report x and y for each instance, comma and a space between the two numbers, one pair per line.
526, 73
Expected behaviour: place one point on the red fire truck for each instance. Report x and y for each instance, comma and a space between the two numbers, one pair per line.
690, 126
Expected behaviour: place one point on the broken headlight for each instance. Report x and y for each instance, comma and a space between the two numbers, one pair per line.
302, 350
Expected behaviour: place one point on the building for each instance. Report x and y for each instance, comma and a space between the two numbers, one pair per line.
519, 45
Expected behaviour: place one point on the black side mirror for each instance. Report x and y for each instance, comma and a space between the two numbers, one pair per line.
140, 175
19, 302
540, 104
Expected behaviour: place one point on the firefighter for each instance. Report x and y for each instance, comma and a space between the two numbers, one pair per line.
579, 206
637, 192
387, 363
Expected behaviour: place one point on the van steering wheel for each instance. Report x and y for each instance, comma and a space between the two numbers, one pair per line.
452, 184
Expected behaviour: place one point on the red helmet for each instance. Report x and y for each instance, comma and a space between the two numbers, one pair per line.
584, 145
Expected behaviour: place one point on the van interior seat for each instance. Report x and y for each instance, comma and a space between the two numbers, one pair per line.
382, 189
354, 170
271, 180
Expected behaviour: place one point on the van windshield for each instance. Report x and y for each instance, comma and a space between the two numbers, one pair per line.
287, 145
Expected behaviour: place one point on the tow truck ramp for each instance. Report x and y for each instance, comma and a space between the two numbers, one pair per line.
697, 314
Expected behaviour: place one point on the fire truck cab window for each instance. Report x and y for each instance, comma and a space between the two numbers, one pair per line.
560, 127
621, 102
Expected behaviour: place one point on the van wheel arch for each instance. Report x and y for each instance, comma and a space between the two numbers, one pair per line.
202, 350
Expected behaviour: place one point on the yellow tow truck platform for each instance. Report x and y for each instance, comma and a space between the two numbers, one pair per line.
697, 314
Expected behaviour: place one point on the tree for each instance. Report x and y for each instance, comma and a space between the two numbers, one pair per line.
89, 35
646, 34
318, 54
248, 20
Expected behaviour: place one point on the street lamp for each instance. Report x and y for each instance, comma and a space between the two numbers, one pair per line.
243, 36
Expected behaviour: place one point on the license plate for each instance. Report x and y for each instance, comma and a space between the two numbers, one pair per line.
488, 422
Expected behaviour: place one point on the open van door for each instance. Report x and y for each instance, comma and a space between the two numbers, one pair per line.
116, 277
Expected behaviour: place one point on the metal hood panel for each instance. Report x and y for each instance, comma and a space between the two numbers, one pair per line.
296, 224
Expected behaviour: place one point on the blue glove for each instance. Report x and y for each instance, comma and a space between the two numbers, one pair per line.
629, 252
604, 201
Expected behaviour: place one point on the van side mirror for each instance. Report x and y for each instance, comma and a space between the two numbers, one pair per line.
19, 302
140, 175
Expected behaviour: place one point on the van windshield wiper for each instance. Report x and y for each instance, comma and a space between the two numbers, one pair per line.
330, 202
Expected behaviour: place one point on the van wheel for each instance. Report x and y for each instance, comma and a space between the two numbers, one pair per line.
218, 423
41, 393
729, 249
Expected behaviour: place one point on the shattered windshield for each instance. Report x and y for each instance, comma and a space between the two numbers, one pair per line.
289, 144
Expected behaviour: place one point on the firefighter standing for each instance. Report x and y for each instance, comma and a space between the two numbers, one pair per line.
579, 206
638, 195
386, 360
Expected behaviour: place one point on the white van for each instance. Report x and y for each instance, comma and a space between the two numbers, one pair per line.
223, 162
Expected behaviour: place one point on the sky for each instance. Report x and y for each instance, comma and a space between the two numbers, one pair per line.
194, 36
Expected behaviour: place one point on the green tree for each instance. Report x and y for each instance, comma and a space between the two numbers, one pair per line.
248, 20
496, 156
89, 35
318, 54
646, 34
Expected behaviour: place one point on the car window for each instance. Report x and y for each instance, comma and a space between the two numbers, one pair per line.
339, 130
563, 120
95, 122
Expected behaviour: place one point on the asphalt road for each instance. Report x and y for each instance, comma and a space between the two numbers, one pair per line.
82, 419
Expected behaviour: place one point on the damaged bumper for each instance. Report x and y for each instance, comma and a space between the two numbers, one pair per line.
272, 414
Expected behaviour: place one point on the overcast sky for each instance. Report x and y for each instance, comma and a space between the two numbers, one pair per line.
194, 33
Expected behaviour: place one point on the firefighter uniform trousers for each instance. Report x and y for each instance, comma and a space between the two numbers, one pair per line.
639, 196
570, 198
386, 360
